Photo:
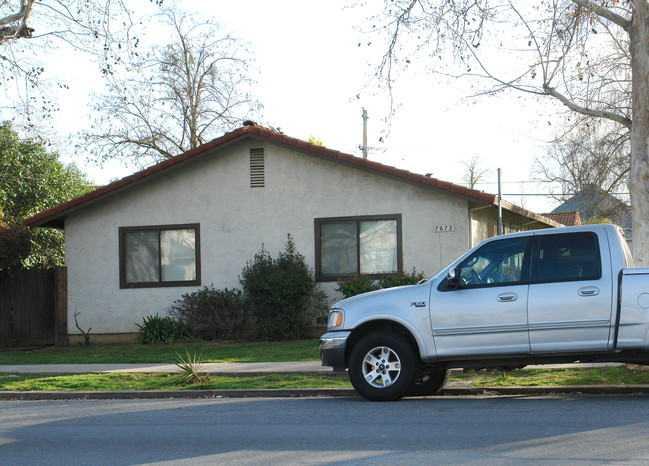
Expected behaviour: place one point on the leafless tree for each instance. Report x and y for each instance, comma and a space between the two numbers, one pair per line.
175, 97
473, 173
29, 29
589, 154
590, 55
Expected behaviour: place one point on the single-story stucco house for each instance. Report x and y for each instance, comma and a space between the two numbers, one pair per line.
136, 245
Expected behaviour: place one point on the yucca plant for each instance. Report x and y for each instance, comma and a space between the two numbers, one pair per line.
190, 367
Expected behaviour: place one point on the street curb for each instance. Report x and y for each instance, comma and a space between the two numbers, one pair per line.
319, 392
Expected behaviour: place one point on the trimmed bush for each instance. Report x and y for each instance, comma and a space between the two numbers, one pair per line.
214, 314
402, 279
281, 293
358, 284
349, 287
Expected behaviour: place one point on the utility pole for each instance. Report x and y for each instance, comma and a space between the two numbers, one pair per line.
500, 207
365, 118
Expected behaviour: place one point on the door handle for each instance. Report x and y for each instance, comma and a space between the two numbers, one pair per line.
507, 297
589, 291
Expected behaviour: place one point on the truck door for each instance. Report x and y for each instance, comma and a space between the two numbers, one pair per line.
570, 300
486, 312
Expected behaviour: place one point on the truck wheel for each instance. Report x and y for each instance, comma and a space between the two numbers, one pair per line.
383, 366
429, 382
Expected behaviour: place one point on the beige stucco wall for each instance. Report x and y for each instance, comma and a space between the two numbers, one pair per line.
484, 223
235, 220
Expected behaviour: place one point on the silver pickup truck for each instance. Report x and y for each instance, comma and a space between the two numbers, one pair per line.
538, 297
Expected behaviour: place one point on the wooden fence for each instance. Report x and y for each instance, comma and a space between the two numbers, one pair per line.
33, 307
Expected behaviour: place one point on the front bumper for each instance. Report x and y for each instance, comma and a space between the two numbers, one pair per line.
332, 349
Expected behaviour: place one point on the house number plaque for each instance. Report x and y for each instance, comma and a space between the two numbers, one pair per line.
444, 228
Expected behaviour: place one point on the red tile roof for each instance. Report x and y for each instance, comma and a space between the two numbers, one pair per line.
55, 216
569, 219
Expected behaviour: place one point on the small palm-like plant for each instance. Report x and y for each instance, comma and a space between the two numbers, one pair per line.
190, 366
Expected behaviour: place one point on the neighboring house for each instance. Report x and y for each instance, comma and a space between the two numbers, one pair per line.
136, 245
568, 219
593, 201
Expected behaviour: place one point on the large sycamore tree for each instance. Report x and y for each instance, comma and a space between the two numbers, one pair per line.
590, 55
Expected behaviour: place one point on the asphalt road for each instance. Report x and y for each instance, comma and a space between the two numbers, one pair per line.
582, 429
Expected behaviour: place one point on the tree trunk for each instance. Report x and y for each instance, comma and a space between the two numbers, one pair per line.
639, 175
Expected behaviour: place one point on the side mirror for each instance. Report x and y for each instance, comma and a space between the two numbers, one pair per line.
453, 277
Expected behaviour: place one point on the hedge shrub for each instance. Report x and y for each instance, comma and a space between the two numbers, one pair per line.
215, 314
282, 293
359, 284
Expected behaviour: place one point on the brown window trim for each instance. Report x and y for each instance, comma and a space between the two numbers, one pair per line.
123, 284
330, 278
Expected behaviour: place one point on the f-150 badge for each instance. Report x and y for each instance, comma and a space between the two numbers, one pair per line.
418, 304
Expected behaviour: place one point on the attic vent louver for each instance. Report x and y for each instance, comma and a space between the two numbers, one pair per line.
257, 168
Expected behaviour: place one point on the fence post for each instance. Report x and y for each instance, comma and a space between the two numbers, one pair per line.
61, 307
5, 308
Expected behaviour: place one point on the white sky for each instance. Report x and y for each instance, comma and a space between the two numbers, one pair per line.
311, 70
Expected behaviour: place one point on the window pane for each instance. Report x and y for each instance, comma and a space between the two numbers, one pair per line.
568, 257
495, 262
141, 256
378, 246
178, 250
338, 250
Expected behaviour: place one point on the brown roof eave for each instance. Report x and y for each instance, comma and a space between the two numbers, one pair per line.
529, 214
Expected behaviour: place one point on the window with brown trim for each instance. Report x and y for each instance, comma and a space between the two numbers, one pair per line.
349, 246
159, 256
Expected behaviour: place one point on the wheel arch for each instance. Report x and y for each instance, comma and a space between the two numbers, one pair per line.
381, 325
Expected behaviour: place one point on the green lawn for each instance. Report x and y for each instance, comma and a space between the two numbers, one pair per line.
620, 375
137, 381
299, 350
614, 375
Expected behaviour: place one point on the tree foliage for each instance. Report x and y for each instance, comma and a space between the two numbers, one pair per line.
32, 180
176, 96
592, 56
15, 244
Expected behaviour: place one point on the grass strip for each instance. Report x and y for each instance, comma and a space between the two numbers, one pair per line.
618, 375
610, 375
137, 381
298, 350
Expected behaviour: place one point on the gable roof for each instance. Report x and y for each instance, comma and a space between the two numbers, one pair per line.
55, 216
569, 219
594, 201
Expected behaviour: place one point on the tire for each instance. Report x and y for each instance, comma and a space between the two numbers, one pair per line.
429, 382
383, 366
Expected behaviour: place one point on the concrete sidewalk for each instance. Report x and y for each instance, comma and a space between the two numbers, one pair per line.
212, 368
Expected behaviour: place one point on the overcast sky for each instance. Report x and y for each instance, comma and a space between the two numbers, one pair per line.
311, 71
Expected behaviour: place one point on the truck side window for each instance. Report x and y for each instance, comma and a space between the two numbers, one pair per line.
567, 257
498, 262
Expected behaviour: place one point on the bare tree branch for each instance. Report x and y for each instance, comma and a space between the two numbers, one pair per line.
176, 96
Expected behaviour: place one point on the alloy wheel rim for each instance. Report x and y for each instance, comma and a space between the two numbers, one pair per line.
381, 367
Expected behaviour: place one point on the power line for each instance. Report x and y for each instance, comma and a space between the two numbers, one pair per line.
556, 195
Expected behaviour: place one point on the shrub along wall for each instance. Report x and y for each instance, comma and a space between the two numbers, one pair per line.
279, 300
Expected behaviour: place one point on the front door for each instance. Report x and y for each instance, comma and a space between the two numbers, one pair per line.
487, 313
